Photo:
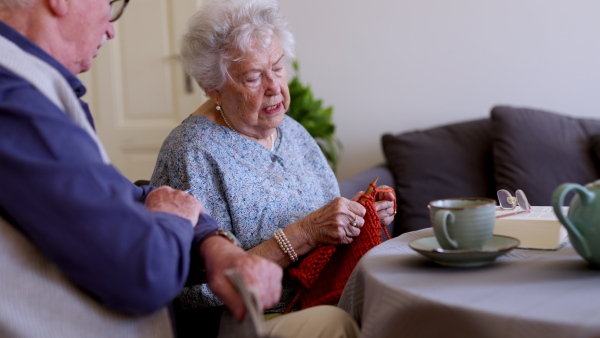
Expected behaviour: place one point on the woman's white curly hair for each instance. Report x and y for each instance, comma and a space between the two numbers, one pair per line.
222, 30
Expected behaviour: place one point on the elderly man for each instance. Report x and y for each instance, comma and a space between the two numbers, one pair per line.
84, 252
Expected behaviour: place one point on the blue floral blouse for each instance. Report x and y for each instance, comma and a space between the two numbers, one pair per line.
249, 189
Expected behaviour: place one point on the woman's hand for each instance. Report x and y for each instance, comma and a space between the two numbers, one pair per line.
335, 223
385, 202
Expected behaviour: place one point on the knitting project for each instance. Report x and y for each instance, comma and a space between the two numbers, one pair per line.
322, 274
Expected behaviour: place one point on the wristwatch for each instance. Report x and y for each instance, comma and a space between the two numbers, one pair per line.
199, 275
225, 234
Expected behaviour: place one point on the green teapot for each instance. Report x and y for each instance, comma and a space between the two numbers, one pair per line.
583, 219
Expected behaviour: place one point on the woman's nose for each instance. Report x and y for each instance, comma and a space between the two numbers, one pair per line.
273, 86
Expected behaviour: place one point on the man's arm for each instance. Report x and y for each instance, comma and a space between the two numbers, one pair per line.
262, 276
84, 215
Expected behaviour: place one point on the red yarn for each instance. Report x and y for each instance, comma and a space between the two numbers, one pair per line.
323, 273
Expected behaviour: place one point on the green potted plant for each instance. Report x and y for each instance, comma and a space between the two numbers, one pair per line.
311, 114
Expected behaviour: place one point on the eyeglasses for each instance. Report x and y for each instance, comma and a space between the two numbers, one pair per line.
507, 201
116, 9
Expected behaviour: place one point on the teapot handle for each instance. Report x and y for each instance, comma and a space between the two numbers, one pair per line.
558, 198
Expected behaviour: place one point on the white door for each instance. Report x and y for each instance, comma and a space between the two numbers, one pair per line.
137, 89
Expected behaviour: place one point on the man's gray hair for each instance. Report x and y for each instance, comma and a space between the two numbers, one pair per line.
16, 4
221, 30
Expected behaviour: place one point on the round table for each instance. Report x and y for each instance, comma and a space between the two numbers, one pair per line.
396, 292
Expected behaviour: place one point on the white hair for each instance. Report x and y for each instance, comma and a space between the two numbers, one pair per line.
221, 30
16, 4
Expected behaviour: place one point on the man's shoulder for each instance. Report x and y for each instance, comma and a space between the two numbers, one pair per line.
9, 82
19, 95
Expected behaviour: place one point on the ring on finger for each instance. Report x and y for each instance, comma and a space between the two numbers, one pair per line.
354, 222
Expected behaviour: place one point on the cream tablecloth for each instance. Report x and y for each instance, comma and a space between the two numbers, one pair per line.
396, 292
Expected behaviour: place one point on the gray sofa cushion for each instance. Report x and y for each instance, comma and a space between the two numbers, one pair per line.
536, 151
448, 161
596, 149
360, 182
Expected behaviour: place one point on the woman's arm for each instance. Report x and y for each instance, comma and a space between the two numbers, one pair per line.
331, 224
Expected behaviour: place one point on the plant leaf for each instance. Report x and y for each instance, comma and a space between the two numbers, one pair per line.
316, 119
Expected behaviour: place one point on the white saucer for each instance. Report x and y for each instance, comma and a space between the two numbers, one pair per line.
497, 246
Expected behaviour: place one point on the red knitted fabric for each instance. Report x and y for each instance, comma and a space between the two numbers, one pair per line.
323, 273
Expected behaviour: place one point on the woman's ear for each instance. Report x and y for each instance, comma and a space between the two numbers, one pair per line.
214, 95
59, 7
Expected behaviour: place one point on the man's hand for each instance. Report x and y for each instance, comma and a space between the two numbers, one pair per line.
176, 202
262, 276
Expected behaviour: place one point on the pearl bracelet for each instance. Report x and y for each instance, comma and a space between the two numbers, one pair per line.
285, 245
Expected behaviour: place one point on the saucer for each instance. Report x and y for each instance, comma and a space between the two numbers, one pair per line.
496, 247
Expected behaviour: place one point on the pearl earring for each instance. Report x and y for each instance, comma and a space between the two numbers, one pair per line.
218, 108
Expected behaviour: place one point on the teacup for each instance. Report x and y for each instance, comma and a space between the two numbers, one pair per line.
463, 223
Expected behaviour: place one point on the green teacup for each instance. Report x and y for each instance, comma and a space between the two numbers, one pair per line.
463, 223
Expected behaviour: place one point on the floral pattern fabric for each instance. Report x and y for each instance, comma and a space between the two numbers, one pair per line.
250, 190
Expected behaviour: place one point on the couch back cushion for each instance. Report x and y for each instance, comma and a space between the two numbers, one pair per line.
536, 151
443, 162
596, 149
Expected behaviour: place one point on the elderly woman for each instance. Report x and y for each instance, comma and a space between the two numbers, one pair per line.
256, 170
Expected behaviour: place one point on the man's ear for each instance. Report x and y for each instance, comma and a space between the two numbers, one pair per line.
59, 7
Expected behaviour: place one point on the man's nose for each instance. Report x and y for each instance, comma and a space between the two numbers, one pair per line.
110, 31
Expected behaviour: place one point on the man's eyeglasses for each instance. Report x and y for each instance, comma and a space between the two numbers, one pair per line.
116, 9
508, 202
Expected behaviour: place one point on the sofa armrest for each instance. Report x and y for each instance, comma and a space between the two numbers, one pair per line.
360, 182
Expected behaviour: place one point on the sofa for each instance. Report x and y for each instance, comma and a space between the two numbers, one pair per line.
515, 148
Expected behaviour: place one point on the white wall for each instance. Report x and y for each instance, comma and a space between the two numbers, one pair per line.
399, 65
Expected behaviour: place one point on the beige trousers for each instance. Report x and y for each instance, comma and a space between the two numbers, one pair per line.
323, 321
319, 321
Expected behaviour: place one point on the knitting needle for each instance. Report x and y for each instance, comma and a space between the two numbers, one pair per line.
370, 189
